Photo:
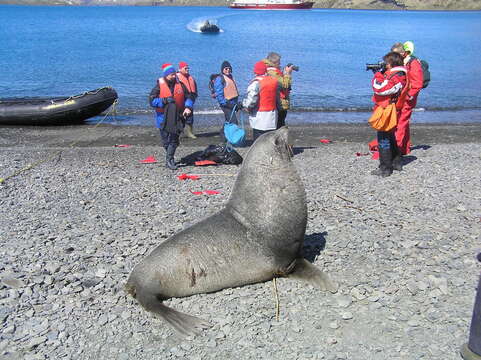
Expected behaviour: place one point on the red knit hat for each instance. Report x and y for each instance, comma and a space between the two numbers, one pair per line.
167, 69
260, 68
183, 64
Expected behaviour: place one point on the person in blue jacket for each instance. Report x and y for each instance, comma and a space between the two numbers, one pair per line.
226, 93
172, 103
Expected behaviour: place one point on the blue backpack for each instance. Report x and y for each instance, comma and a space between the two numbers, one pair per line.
235, 135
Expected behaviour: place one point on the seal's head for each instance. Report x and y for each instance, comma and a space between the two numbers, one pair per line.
271, 148
268, 191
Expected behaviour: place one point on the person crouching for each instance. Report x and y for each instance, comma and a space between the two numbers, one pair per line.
262, 101
387, 87
172, 104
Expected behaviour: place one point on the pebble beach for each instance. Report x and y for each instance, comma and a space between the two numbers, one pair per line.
79, 212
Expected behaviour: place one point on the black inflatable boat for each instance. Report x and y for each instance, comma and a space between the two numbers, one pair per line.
56, 110
209, 28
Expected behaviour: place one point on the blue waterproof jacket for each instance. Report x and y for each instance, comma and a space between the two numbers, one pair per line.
219, 85
157, 102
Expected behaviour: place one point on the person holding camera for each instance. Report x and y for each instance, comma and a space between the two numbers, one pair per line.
273, 63
387, 85
172, 103
415, 84
262, 101
226, 93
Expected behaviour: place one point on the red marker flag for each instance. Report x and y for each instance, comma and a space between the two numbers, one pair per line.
149, 160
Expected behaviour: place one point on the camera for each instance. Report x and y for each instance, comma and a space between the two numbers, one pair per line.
380, 66
294, 67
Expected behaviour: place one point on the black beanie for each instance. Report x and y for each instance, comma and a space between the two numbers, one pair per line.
224, 65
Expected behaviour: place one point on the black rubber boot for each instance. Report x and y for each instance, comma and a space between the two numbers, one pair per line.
169, 157
385, 166
397, 159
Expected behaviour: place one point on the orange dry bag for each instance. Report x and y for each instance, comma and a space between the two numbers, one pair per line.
384, 119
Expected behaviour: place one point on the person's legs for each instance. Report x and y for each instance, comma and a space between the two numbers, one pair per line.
188, 130
385, 155
403, 137
281, 118
172, 143
256, 133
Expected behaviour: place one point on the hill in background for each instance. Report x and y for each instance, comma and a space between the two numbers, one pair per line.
335, 4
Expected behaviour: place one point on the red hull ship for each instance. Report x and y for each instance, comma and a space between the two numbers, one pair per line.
272, 4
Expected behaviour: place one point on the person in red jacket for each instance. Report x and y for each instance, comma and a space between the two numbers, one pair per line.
387, 87
415, 84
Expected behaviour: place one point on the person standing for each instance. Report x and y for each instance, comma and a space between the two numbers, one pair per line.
189, 82
226, 94
262, 101
172, 104
273, 63
415, 84
387, 87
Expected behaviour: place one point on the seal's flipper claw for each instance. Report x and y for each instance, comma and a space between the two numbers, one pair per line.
305, 271
182, 323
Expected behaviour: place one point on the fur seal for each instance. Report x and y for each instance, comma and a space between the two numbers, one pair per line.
256, 237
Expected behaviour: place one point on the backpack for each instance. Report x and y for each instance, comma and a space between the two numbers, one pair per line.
426, 73
212, 81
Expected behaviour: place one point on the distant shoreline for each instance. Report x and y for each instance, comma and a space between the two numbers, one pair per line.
336, 5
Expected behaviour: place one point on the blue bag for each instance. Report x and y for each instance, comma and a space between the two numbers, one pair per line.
234, 134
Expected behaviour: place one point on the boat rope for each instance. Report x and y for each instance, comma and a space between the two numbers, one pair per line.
112, 112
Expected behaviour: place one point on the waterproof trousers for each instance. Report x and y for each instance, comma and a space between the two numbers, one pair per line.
403, 137
387, 152
170, 142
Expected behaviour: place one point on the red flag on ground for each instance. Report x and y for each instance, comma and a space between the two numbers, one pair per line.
122, 145
205, 162
206, 192
375, 155
185, 177
149, 160
325, 141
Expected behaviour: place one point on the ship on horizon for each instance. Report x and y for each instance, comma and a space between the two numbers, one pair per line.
271, 4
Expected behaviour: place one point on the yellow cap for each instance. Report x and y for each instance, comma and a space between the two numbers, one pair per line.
409, 46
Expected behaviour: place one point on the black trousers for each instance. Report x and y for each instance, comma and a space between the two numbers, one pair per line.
281, 118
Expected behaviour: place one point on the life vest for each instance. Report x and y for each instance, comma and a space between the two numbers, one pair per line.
230, 88
188, 82
267, 93
284, 93
178, 95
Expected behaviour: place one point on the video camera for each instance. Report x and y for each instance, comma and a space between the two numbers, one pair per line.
380, 66
294, 67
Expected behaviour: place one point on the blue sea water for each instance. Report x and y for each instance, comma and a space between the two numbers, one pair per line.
48, 51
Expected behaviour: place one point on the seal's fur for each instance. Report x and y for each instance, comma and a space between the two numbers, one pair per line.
256, 237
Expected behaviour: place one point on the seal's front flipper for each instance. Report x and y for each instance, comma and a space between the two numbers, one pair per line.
305, 271
182, 323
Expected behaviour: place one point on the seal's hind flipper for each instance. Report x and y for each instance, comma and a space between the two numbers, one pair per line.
182, 323
305, 271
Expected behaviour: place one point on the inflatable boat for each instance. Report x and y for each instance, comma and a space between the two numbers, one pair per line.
208, 27
56, 110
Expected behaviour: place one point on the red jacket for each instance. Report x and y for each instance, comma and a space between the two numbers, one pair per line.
388, 86
415, 75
